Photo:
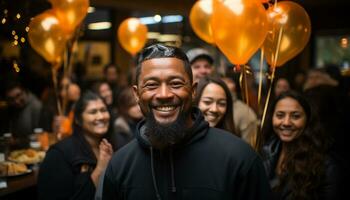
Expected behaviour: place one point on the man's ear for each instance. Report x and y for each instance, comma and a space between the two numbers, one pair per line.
194, 89
136, 95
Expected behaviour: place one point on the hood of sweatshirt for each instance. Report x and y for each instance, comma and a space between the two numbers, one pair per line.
198, 131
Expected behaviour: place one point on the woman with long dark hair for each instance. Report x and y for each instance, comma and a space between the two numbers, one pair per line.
73, 166
214, 99
295, 151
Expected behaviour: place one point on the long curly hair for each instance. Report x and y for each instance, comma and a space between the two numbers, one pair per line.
303, 167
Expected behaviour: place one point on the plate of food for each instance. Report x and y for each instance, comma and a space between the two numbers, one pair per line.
12, 169
27, 156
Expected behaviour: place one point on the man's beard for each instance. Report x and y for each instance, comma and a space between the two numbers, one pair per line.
165, 135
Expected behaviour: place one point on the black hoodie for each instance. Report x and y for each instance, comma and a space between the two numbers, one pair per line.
209, 164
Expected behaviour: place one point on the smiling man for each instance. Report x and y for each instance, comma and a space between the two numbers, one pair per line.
176, 154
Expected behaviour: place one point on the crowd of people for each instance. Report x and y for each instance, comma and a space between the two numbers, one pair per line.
181, 132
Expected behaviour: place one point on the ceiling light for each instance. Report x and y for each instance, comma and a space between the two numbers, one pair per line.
147, 20
157, 18
153, 35
91, 9
172, 18
100, 26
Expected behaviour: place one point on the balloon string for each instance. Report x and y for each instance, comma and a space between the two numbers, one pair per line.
55, 86
241, 83
260, 76
272, 76
245, 84
68, 62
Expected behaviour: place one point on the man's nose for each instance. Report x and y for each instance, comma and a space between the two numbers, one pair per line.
164, 92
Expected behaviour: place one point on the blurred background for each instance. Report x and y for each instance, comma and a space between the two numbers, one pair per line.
168, 22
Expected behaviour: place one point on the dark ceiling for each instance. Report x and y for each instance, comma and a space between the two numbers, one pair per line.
326, 15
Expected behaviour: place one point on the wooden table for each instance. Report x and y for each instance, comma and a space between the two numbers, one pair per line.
20, 183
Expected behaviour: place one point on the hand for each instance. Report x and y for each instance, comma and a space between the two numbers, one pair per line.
105, 154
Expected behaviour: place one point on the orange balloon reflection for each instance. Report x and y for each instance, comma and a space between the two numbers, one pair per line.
296, 29
239, 27
70, 12
200, 15
47, 36
132, 35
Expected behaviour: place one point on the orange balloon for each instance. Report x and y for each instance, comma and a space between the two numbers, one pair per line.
132, 35
240, 28
200, 15
47, 36
296, 30
70, 12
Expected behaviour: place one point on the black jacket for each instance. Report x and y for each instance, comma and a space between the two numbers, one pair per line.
328, 189
65, 172
210, 164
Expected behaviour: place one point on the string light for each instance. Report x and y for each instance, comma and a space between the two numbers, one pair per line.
15, 42
16, 37
16, 67
3, 21
18, 16
27, 29
344, 42
13, 32
6, 11
23, 40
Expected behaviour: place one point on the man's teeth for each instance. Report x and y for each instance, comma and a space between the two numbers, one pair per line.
165, 108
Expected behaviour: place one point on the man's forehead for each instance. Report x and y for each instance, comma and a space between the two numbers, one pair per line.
162, 64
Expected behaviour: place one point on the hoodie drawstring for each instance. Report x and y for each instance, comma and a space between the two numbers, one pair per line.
173, 187
154, 176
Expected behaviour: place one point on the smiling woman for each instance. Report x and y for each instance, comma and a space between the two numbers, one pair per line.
296, 151
214, 99
82, 157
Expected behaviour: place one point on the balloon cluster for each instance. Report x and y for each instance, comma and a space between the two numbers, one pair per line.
49, 31
240, 27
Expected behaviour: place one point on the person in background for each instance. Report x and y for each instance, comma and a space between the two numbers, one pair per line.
326, 96
129, 115
23, 113
295, 151
51, 120
299, 80
201, 63
72, 167
176, 154
214, 99
244, 117
111, 76
103, 89
282, 85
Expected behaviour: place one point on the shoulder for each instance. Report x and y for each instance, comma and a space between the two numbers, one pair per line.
226, 143
65, 147
132, 148
227, 139
34, 101
126, 156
